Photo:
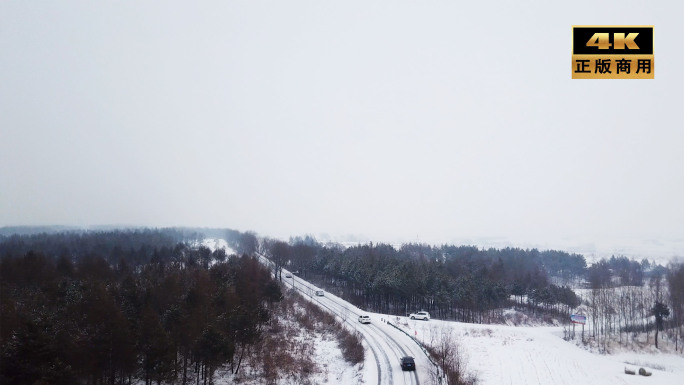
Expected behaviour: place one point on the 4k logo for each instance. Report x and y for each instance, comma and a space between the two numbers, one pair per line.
612, 52
602, 40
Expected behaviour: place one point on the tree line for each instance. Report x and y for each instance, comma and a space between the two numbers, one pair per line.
452, 282
125, 306
626, 299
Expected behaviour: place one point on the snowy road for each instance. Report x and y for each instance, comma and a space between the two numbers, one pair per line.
385, 343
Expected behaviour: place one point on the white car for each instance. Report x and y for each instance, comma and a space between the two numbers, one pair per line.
320, 293
420, 315
288, 275
364, 319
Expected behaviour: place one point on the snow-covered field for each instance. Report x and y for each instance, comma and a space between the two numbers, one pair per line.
500, 354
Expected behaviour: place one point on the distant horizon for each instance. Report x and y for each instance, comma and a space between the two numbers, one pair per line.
661, 251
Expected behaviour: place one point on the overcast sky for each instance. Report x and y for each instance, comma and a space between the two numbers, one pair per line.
395, 120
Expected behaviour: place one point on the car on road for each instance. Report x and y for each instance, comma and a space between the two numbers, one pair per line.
288, 275
364, 319
320, 293
407, 363
420, 315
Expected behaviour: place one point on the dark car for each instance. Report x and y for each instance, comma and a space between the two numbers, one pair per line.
407, 363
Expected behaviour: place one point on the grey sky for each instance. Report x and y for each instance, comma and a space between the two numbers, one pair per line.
396, 120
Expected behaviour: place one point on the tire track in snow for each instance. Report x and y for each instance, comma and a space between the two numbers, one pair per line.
341, 311
340, 314
389, 340
403, 352
269, 264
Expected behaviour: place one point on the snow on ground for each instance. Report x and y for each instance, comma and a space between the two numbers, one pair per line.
216, 243
383, 344
334, 370
313, 357
500, 354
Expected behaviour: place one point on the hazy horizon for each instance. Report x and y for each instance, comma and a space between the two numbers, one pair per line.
431, 122
659, 251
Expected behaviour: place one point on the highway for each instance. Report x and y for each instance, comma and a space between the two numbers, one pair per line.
384, 342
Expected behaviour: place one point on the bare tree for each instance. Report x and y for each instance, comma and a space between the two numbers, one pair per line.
280, 253
450, 358
660, 311
675, 280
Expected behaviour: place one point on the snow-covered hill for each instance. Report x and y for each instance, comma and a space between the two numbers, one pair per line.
216, 244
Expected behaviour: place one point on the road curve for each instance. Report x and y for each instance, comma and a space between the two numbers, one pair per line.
386, 343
